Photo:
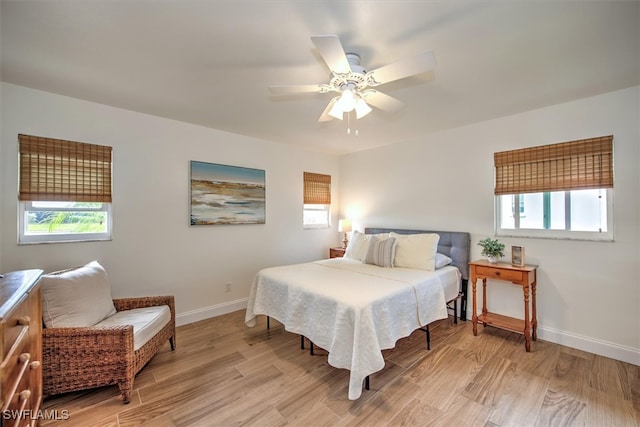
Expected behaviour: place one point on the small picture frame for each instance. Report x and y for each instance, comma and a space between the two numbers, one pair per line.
517, 256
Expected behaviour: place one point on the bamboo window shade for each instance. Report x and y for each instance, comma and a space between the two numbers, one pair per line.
317, 189
573, 165
59, 170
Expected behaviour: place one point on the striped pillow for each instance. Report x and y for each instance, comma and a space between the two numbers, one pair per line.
381, 252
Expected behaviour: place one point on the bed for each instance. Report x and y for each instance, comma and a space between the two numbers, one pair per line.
355, 309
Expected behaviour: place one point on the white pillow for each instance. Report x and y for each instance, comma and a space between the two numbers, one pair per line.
381, 252
442, 260
380, 236
416, 251
77, 297
358, 246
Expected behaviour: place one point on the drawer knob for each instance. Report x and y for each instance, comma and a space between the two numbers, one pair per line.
24, 395
497, 273
24, 321
34, 365
24, 357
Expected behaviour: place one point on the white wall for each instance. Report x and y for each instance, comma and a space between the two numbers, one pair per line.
154, 249
588, 292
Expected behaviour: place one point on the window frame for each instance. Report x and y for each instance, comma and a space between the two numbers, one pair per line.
324, 207
316, 197
584, 164
27, 206
548, 233
55, 170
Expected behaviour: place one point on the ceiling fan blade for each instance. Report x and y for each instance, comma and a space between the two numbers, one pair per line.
325, 117
292, 89
382, 101
332, 52
413, 65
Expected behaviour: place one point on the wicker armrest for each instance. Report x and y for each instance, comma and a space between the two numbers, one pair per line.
90, 339
81, 358
140, 302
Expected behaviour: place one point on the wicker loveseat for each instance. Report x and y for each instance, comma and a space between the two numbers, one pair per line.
83, 357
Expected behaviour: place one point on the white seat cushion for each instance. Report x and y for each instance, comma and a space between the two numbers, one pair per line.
147, 322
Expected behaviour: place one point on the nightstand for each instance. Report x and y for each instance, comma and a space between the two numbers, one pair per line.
336, 252
524, 276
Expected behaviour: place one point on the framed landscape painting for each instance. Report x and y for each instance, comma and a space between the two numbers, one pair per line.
222, 194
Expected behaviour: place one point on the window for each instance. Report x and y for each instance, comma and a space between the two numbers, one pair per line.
558, 191
64, 191
317, 200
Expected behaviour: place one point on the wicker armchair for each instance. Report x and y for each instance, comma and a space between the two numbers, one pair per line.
87, 357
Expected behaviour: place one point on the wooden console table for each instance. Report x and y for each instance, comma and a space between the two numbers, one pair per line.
523, 276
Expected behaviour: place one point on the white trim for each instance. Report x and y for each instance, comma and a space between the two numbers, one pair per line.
211, 311
588, 344
27, 239
605, 236
592, 345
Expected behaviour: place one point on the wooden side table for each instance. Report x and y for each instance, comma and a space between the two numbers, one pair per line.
524, 276
336, 252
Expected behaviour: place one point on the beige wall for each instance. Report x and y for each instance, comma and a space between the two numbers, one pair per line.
588, 292
154, 250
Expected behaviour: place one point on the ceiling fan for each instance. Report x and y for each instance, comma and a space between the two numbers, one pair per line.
353, 83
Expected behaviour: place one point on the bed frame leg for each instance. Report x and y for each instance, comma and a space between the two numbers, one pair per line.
463, 303
311, 347
268, 322
428, 337
301, 342
455, 311
366, 383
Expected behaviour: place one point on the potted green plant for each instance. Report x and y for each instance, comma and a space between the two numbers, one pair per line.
492, 249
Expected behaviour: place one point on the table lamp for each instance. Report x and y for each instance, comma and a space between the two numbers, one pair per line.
344, 226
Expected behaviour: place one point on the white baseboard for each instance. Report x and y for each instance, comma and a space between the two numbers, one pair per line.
211, 311
592, 345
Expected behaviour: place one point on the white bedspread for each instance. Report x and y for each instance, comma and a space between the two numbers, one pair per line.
352, 310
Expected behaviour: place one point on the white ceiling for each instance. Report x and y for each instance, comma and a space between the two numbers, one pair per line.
211, 62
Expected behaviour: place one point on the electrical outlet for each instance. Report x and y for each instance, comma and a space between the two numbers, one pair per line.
227, 287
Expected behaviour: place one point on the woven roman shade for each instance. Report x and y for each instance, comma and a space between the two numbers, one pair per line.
573, 165
317, 189
59, 170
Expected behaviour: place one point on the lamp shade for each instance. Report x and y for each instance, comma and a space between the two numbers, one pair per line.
362, 108
344, 225
336, 111
347, 100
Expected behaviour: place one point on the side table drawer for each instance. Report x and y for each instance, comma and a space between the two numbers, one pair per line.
499, 273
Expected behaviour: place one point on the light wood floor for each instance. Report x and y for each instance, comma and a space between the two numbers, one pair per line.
224, 373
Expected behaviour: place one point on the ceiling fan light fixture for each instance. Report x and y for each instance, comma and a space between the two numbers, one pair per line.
350, 80
347, 101
336, 111
362, 108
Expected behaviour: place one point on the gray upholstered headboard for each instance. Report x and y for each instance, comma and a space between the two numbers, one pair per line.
454, 244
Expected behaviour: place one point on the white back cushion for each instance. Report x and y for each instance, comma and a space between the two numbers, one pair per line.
77, 297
